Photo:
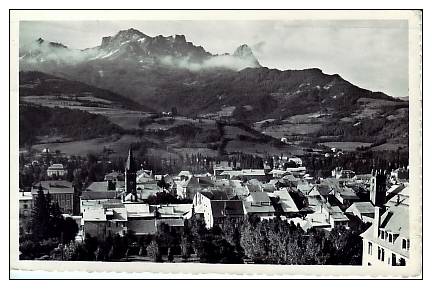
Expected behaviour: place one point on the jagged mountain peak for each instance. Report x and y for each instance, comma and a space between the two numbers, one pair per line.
243, 50
246, 53
41, 41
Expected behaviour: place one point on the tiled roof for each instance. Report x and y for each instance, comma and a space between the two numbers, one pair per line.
54, 187
395, 220
88, 195
223, 208
215, 195
362, 207
286, 201
98, 186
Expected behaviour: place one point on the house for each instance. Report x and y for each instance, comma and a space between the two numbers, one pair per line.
337, 218
60, 191
296, 160
397, 195
248, 174
56, 170
345, 195
259, 203
399, 175
172, 215
278, 173
387, 241
97, 193
285, 201
107, 219
184, 175
187, 189
144, 176
239, 189
363, 210
298, 171
253, 186
25, 204
105, 186
147, 189
203, 196
141, 220
317, 220
218, 169
340, 173
114, 176
215, 208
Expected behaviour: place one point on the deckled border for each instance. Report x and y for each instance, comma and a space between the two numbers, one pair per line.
276, 271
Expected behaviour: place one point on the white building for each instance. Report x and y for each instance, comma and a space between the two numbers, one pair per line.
56, 170
387, 241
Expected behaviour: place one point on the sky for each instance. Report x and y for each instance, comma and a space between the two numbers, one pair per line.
372, 54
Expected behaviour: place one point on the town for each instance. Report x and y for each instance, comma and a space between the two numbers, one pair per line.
278, 213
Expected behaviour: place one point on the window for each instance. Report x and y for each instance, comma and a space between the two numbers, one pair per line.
393, 259
390, 238
405, 244
370, 248
380, 253
25, 206
382, 236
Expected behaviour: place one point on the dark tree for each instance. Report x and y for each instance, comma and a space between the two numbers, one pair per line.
40, 216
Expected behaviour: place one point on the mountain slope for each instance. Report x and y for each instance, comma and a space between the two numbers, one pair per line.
162, 73
35, 83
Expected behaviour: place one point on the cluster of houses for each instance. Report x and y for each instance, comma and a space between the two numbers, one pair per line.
120, 203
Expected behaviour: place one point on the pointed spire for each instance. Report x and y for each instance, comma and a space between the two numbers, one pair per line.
130, 162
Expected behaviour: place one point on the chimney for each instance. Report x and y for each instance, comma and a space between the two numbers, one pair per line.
376, 221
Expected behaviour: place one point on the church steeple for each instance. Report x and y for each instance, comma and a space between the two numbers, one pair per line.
130, 162
130, 174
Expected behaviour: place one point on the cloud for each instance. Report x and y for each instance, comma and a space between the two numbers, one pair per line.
222, 61
372, 54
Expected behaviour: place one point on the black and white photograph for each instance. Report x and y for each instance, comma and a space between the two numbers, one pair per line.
274, 142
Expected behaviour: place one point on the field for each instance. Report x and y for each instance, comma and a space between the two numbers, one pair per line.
127, 119
119, 145
390, 147
261, 149
346, 146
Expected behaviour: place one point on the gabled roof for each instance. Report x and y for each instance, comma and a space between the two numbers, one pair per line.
224, 208
253, 188
362, 207
258, 208
89, 195
55, 187
397, 195
98, 186
285, 200
396, 221
337, 214
215, 194
258, 197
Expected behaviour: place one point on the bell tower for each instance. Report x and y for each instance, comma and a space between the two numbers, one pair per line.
130, 174
378, 188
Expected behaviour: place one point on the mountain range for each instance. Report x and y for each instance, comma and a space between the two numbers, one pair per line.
164, 72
